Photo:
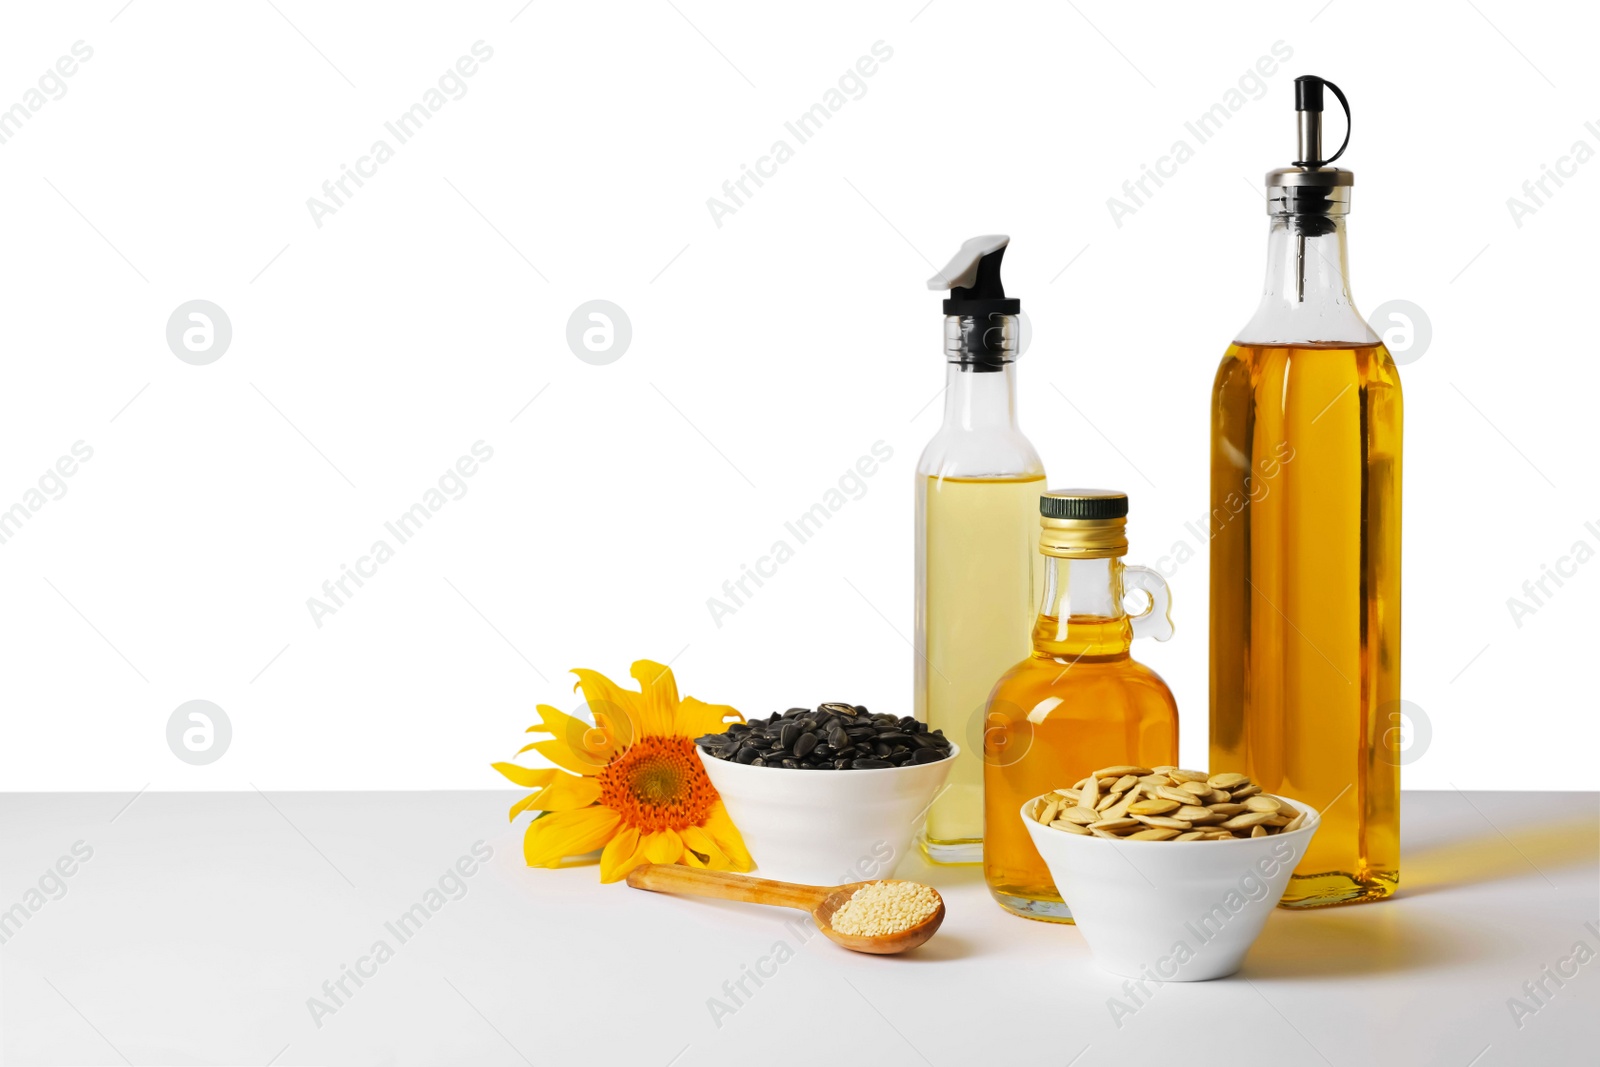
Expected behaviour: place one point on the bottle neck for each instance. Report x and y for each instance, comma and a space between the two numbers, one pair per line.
1081, 615
1306, 297
979, 399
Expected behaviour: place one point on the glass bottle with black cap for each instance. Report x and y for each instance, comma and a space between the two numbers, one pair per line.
1305, 538
976, 581
1079, 703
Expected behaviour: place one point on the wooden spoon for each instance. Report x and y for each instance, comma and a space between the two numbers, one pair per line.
820, 901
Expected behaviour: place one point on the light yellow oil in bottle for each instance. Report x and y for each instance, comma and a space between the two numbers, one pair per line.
1305, 599
979, 572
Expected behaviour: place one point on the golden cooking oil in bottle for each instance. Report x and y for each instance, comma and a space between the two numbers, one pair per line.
976, 496
1079, 702
1305, 542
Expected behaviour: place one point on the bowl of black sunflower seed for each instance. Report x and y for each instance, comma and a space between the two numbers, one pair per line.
830, 794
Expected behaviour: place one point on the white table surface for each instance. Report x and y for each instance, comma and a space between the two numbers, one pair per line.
203, 922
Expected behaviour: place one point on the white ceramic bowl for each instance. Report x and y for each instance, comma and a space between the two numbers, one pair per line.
1171, 911
827, 827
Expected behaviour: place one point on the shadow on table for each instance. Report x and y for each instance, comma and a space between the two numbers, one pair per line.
1366, 939
940, 947
1499, 854
1388, 936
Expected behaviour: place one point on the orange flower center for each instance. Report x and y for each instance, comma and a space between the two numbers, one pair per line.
658, 784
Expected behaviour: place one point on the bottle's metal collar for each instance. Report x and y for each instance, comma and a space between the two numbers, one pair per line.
1310, 186
982, 342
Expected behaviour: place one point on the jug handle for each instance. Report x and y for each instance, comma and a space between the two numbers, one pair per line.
1156, 620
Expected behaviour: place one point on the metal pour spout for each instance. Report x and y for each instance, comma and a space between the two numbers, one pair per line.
1311, 170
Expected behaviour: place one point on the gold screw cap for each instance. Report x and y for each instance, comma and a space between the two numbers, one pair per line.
1083, 523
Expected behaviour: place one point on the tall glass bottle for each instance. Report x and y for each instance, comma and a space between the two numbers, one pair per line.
1305, 550
977, 489
1079, 702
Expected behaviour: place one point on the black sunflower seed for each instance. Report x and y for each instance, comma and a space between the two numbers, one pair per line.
836, 736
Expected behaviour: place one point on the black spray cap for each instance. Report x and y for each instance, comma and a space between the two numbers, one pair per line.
973, 278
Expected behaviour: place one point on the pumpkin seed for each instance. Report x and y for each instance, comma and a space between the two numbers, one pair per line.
1120, 770
1152, 807
1164, 804
1120, 808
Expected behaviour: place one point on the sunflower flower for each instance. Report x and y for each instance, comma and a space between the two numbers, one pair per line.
636, 788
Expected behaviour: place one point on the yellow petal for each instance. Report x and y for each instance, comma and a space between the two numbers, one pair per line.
622, 855
723, 863
578, 733
592, 744
699, 841
522, 805
563, 756
567, 833
527, 777
663, 846
727, 837
611, 705
659, 699
566, 793
696, 717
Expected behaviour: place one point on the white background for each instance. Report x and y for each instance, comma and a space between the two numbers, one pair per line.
768, 354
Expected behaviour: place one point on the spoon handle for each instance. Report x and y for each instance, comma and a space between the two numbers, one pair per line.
674, 878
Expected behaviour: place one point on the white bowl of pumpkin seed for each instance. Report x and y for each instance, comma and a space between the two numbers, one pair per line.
1170, 874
